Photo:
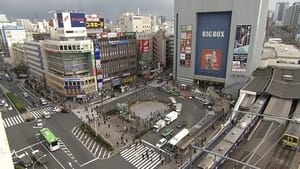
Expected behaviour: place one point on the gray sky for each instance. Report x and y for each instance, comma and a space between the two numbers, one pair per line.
111, 9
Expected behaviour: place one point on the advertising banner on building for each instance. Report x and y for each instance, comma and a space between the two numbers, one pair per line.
211, 59
77, 20
185, 45
97, 53
213, 31
241, 45
95, 24
144, 46
60, 20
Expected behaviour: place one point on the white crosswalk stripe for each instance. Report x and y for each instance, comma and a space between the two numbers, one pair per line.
90, 144
66, 150
12, 121
142, 157
38, 113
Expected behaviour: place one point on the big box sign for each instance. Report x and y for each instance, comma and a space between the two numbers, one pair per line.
213, 31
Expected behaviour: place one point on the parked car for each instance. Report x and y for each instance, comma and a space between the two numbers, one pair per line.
161, 142
9, 108
25, 94
181, 125
39, 156
56, 109
39, 123
66, 110
25, 160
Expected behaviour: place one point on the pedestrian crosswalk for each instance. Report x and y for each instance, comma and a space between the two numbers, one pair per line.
12, 121
38, 113
142, 157
90, 144
66, 150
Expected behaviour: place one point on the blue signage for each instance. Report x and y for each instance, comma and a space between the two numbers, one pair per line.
213, 32
118, 42
77, 20
60, 20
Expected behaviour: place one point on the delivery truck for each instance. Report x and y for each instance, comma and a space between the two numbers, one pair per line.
159, 125
169, 118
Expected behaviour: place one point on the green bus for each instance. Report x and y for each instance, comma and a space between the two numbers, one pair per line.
50, 138
166, 132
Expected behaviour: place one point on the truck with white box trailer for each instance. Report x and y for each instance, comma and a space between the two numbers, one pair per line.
169, 118
159, 125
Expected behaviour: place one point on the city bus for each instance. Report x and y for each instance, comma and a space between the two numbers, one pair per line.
50, 138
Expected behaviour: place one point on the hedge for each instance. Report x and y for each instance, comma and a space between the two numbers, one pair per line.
97, 138
18, 104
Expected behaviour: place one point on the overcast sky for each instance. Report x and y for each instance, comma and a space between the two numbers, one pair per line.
111, 9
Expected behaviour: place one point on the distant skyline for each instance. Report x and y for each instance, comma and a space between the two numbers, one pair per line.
273, 2
111, 9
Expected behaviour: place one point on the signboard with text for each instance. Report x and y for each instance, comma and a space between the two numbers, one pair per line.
144, 46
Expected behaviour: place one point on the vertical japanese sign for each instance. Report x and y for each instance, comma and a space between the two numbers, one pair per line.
241, 45
185, 45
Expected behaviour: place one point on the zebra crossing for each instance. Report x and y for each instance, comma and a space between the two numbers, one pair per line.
142, 157
90, 144
38, 113
12, 121
66, 150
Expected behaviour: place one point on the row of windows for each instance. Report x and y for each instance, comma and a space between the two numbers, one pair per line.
72, 47
79, 83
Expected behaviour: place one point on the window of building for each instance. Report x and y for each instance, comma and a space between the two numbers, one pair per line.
78, 47
69, 47
61, 47
73, 47
65, 47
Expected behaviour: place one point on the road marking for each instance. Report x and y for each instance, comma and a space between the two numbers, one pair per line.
16, 120
96, 150
53, 156
4, 123
92, 141
100, 152
88, 139
104, 153
88, 162
94, 145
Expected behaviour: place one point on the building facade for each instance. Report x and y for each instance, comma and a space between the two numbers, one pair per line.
279, 12
10, 34
135, 23
291, 16
163, 45
218, 41
118, 59
69, 58
34, 60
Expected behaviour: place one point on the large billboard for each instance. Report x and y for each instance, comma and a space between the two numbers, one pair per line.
185, 45
98, 67
60, 20
95, 23
241, 45
77, 20
213, 32
144, 46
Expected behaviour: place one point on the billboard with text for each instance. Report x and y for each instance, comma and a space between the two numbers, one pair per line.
241, 45
213, 32
77, 20
144, 46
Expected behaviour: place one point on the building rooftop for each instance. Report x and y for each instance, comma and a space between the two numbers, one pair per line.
5, 155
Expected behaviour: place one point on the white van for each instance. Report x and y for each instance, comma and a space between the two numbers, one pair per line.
46, 115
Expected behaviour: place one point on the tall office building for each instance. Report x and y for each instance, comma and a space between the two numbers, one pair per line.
163, 45
291, 16
279, 12
218, 41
